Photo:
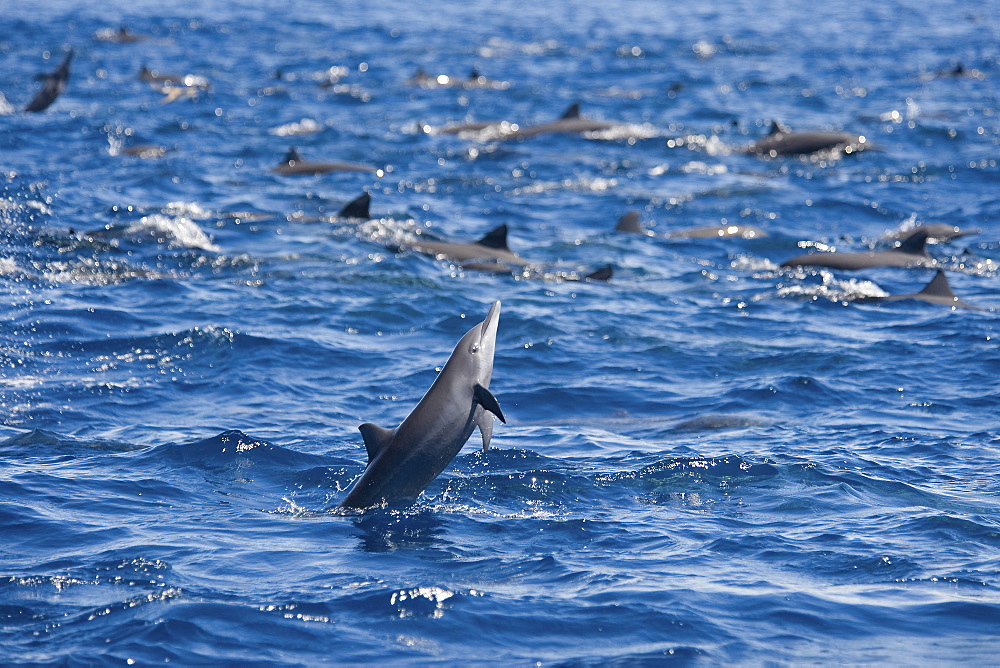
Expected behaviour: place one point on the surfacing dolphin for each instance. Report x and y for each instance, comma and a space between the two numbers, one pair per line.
783, 141
940, 232
55, 84
404, 460
910, 253
938, 291
571, 122
630, 223
294, 165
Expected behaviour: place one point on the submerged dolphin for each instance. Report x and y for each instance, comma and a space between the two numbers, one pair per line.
910, 253
938, 291
55, 84
630, 223
293, 165
783, 141
404, 460
570, 122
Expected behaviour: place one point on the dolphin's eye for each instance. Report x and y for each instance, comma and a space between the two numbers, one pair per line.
474, 349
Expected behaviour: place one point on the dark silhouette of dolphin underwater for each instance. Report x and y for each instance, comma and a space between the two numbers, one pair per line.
910, 253
55, 84
571, 122
783, 141
294, 165
631, 224
938, 291
404, 460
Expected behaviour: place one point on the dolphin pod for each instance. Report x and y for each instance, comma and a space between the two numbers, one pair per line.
783, 141
910, 253
404, 460
55, 84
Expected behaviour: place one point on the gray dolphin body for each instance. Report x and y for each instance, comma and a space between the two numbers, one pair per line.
571, 122
493, 246
294, 165
941, 232
630, 223
404, 460
55, 84
938, 291
783, 141
910, 253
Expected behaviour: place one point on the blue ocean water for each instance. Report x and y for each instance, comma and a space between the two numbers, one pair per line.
707, 459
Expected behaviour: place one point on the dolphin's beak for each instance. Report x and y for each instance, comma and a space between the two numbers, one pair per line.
488, 330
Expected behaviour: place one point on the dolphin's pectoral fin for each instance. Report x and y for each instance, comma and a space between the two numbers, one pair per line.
486, 399
485, 422
375, 438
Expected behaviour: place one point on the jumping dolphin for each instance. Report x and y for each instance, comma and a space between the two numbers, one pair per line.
294, 165
404, 460
938, 291
909, 253
55, 83
630, 223
783, 141
570, 122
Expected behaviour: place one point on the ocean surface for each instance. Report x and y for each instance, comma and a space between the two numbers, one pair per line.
708, 458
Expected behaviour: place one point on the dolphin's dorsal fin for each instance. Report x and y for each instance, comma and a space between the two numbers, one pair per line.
375, 438
572, 112
916, 244
602, 274
292, 155
485, 398
777, 128
357, 208
630, 223
939, 287
495, 238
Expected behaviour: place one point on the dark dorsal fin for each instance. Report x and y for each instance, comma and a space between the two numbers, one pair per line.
777, 128
495, 238
938, 287
486, 399
63, 69
572, 112
292, 155
916, 244
375, 438
630, 223
602, 274
357, 208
